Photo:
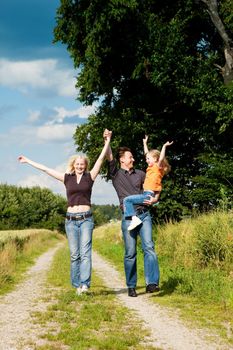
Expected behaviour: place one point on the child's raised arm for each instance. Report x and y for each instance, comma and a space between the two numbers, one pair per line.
145, 147
163, 152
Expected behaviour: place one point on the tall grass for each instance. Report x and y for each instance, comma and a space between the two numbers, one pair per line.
18, 250
197, 256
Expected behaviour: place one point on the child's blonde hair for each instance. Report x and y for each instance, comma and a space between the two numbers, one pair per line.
72, 159
165, 165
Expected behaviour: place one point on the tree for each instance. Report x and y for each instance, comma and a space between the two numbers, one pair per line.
212, 5
152, 66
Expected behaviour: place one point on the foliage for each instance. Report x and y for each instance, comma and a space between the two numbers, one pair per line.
35, 207
152, 66
105, 213
31, 208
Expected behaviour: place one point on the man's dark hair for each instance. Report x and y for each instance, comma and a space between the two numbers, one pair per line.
121, 151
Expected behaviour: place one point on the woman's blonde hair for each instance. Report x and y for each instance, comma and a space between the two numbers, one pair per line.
71, 161
165, 165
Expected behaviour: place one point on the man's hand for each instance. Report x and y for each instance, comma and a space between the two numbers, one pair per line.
152, 200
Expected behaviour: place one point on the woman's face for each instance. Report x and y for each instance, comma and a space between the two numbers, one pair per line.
80, 165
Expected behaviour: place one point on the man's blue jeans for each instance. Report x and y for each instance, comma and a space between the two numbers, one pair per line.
151, 266
130, 201
79, 234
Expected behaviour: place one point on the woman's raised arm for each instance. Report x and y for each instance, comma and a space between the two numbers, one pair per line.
57, 175
96, 168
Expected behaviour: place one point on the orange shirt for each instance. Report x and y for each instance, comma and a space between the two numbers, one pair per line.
153, 180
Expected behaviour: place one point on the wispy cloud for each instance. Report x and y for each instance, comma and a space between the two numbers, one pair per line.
59, 115
58, 132
43, 77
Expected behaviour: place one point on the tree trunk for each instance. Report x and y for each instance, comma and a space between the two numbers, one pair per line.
227, 70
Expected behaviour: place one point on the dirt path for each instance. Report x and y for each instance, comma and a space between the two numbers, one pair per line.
167, 331
16, 308
16, 323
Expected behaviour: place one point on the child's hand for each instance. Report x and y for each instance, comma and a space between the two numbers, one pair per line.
168, 143
145, 139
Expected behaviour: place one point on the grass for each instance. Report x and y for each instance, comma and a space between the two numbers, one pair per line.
18, 251
196, 265
95, 320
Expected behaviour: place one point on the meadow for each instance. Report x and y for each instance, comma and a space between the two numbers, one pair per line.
18, 251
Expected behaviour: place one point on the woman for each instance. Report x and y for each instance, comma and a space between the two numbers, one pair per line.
79, 220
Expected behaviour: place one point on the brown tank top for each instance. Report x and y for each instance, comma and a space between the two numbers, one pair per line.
78, 193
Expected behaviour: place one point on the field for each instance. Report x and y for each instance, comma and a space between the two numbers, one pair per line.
18, 250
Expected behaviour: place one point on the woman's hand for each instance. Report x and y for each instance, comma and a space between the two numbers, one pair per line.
22, 159
107, 134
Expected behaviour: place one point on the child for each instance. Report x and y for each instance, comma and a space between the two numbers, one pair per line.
158, 166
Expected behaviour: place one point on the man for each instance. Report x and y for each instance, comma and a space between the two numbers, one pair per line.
127, 181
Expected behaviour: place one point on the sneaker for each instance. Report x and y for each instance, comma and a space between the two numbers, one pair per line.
151, 288
84, 288
79, 290
134, 223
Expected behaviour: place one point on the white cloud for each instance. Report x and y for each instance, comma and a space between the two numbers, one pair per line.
81, 112
24, 135
57, 132
41, 76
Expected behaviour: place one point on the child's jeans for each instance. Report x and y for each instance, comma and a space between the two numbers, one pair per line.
130, 201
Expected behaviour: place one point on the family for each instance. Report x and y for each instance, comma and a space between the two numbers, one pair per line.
136, 192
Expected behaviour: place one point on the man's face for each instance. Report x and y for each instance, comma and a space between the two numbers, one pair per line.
127, 160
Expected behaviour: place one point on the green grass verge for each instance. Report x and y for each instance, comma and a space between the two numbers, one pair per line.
203, 296
19, 251
95, 320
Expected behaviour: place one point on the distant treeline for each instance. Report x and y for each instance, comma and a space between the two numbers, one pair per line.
37, 207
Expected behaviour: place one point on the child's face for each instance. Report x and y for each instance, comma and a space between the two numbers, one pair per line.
150, 160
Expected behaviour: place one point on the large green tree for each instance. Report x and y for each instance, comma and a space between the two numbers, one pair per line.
153, 65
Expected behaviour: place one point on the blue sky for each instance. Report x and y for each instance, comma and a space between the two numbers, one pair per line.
38, 108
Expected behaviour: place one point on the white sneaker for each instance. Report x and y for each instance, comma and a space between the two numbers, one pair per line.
79, 290
134, 223
84, 288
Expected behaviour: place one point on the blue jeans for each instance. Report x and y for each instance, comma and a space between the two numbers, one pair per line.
130, 201
151, 266
79, 234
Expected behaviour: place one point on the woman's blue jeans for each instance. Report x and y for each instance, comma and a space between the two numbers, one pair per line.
151, 266
79, 234
130, 201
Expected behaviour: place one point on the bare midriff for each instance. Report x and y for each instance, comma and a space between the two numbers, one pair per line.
78, 208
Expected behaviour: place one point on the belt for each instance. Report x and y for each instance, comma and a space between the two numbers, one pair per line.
78, 216
141, 211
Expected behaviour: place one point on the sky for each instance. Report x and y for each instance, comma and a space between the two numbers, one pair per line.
39, 111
